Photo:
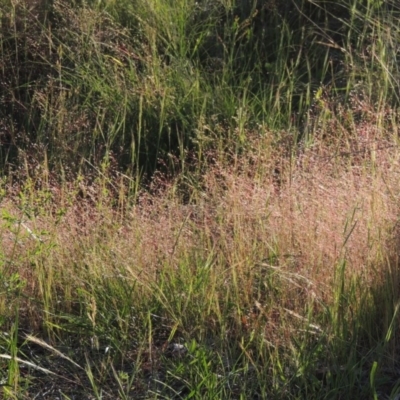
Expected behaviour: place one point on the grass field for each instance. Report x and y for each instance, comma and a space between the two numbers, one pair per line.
199, 200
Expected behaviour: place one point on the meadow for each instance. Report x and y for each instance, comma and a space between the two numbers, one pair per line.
199, 199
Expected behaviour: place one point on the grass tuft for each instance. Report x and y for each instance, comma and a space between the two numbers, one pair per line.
199, 199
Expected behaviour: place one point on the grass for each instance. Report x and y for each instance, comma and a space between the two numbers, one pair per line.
199, 200
257, 288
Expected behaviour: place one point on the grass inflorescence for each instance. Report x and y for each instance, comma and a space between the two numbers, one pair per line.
199, 199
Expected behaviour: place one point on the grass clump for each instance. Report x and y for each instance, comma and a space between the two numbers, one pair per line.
150, 81
199, 199
259, 287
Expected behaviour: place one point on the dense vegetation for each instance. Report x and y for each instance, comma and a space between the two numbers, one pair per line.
199, 199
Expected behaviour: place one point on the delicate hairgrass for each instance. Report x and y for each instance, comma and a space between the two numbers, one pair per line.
200, 198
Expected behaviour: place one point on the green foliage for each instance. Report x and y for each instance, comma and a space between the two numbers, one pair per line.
94, 95
147, 82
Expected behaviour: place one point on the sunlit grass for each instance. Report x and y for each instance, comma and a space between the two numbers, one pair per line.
258, 287
199, 200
